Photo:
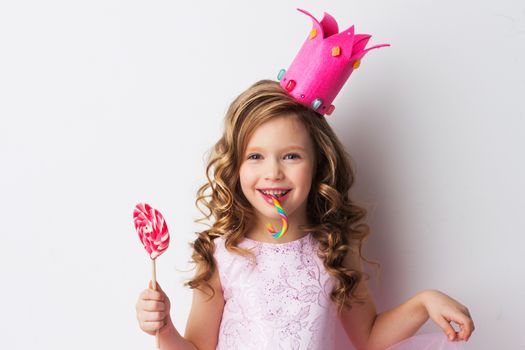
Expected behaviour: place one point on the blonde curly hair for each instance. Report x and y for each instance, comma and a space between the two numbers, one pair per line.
337, 221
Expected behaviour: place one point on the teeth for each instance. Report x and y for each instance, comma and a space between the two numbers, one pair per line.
274, 193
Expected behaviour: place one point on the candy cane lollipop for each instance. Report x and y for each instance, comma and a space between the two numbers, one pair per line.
154, 235
284, 220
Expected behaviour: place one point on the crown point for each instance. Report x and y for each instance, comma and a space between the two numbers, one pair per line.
357, 64
290, 85
336, 51
281, 74
317, 103
313, 33
330, 110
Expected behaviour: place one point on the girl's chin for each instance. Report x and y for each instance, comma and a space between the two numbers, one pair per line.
271, 216
266, 214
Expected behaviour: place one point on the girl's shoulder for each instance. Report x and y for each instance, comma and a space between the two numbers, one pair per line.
221, 254
221, 250
219, 240
219, 243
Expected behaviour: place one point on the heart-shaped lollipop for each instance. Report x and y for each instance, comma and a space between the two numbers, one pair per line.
154, 235
152, 229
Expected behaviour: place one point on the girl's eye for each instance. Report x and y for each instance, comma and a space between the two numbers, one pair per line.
292, 156
257, 156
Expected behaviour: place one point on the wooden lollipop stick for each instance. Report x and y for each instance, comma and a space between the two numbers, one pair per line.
154, 285
154, 274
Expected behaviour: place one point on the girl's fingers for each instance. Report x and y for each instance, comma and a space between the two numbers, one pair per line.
465, 323
467, 327
153, 305
152, 326
157, 286
446, 327
150, 294
154, 316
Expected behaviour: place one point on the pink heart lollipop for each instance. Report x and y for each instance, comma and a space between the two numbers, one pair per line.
152, 229
154, 235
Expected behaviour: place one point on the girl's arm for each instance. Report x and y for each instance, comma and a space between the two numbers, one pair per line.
202, 328
370, 331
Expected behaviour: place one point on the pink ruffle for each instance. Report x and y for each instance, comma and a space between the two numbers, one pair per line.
429, 341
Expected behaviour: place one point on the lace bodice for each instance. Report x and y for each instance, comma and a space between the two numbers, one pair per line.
280, 302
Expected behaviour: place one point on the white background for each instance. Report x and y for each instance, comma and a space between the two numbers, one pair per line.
104, 104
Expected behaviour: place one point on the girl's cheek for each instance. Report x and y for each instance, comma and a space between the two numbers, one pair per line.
247, 176
305, 173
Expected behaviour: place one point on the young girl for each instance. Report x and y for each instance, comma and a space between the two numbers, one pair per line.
254, 291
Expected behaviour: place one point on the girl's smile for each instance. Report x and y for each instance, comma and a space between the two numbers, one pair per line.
280, 194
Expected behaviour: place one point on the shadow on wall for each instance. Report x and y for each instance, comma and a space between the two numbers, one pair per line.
367, 136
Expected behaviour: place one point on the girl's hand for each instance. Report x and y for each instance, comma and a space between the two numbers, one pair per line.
153, 310
443, 310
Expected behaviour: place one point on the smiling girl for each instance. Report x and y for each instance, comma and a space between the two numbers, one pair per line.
254, 291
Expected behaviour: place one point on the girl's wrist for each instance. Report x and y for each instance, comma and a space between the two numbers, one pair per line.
168, 327
423, 299
169, 336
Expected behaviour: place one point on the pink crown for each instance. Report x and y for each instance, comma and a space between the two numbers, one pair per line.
324, 63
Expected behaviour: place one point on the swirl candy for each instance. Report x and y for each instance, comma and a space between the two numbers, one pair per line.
152, 229
284, 220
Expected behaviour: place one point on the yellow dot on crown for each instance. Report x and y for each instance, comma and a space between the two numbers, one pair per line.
313, 33
357, 64
336, 51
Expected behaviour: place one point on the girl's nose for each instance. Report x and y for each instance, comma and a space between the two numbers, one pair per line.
273, 170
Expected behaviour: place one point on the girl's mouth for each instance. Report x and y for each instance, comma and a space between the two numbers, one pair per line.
280, 195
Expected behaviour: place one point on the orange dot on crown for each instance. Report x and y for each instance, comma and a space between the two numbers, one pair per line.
336, 51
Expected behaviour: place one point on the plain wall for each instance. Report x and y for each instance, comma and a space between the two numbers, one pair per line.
104, 104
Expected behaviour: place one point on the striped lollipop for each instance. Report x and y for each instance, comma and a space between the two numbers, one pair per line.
154, 236
152, 229
284, 220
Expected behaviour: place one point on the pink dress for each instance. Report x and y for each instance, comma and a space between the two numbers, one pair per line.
280, 302
283, 300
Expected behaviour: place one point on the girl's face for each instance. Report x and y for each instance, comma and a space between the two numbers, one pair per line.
279, 160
